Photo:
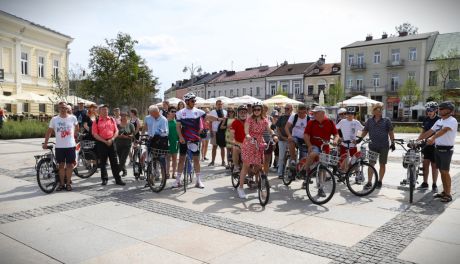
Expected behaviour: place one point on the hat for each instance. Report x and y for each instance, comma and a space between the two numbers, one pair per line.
319, 109
103, 105
341, 111
351, 110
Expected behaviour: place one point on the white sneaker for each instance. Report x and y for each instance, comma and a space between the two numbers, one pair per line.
241, 193
199, 184
176, 184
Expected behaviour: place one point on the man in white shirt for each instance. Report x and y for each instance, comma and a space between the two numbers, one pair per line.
348, 129
218, 135
64, 126
295, 128
445, 131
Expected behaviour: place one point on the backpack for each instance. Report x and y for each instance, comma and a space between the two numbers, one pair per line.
296, 117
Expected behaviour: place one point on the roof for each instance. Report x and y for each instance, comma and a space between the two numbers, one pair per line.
325, 69
33, 24
391, 40
291, 69
444, 43
250, 73
209, 77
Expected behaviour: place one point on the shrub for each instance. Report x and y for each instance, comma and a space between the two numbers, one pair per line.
24, 129
407, 129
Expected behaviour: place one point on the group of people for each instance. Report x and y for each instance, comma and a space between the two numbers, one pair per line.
248, 135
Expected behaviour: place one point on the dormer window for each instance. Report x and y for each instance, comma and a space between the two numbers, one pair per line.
316, 70
335, 69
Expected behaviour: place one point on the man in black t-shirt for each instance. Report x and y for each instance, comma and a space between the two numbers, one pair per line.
428, 152
80, 113
283, 138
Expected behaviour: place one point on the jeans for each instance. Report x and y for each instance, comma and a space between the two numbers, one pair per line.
282, 145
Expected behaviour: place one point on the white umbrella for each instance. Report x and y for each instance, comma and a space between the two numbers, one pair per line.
245, 99
201, 102
281, 100
224, 100
359, 100
173, 101
28, 97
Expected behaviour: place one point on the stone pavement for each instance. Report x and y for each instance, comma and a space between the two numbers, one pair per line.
113, 224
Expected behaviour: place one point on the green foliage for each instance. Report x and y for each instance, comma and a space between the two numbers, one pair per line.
445, 64
407, 129
281, 92
410, 93
407, 27
336, 94
24, 129
60, 87
119, 76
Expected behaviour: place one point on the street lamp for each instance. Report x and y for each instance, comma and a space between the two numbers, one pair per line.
192, 69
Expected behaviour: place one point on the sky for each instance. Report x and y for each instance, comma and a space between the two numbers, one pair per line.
230, 35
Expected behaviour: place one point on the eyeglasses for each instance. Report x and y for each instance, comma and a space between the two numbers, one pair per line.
256, 109
192, 100
430, 110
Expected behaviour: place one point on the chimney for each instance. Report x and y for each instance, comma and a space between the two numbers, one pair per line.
384, 35
369, 37
402, 33
321, 60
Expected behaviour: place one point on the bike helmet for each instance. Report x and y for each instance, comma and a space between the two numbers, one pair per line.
447, 105
189, 96
258, 103
342, 111
431, 106
242, 107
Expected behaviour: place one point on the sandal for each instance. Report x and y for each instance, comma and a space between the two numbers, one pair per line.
68, 187
447, 198
439, 195
60, 188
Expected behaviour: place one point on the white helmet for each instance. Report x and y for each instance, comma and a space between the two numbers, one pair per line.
342, 111
189, 96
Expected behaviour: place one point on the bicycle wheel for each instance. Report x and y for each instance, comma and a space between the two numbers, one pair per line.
320, 185
357, 178
263, 190
137, 166
288, 176
412, 180
157, 178
235, 179
86, 164
47, 175
186, 173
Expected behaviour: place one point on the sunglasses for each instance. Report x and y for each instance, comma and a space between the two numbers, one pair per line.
429, 110
172, 112
342, 114
257, 109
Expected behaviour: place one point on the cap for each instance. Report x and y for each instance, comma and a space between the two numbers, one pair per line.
342, 111
351, 110
319, 109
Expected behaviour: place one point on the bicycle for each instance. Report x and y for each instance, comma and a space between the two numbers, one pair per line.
138, 162
296, 172
47, 170
86, 157
156, 169
356, 169
189, 170
411, 162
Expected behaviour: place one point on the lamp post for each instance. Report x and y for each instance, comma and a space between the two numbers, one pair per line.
192, 69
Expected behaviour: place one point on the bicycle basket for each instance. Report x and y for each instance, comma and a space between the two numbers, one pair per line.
411, 157
159, 153
327, 159
87, 144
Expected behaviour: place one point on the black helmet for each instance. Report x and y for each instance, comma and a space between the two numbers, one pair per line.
447, 105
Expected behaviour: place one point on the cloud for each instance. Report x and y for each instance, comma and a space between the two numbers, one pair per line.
159, 47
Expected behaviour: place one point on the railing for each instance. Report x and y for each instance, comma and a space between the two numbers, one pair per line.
357, 89
398, 63
358, 66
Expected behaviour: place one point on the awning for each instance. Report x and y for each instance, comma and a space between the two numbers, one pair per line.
393, 100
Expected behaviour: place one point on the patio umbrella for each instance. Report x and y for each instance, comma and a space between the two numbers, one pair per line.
281, 100
245, 99
28, 97
224, 100
359, 100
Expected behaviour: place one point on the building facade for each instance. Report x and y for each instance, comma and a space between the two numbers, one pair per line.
379, 67
30, 55
320, 77
289, 79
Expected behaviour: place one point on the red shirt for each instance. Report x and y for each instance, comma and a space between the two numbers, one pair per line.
323, 130
238, 127
105, 127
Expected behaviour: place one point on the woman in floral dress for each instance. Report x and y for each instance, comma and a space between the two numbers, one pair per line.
252, 154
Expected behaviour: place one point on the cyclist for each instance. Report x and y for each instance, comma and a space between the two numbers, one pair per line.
189, 127
324, 128
64, 126
254, 128
295, 128
341, 114
348, 128
237, 129
283, 140
428, 151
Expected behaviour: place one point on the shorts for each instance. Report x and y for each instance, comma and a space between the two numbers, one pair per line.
318, 150
343, 152
443, 157
183, 149
428, 153
66, 155
383, 155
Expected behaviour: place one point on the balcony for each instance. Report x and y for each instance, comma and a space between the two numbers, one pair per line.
395, 64
392, 89
452, 84
358, 66
355, 90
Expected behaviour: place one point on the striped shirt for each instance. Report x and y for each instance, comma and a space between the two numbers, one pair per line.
190, 120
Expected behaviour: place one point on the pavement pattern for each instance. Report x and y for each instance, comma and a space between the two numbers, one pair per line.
114, 224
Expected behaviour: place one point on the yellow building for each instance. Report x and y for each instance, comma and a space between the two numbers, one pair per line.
30, 54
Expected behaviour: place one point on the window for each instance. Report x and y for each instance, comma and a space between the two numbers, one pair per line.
359, 84
412, 54
285, 87
376, 80
350, 59
231, 93
360, 59
237, 92
42, 108
394, 82
453, 75
349, 83
433, 78
395, 55
257, 91
55, 68
41, 67
24, 63
250, 91
273, 88
8, 107
377, 98
310, 90
225, 93
297, 89
26, 108
244, 91
411, 76
377, 57
209, 94
214, 93
220, 92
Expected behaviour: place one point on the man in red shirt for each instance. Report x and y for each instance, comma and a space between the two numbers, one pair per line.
321, 127
237, 128
105, 131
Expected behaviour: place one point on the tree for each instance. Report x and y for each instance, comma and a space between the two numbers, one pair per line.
410, 93
407, 28
447, 63
118, 75
60, 84
336, 94
281, 92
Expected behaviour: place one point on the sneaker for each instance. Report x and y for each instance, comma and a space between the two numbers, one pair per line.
368, 186
379, 185
321, 193
176, 184
211, 164
241, 193
423, 186
206, 158
199, 184
434, 188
